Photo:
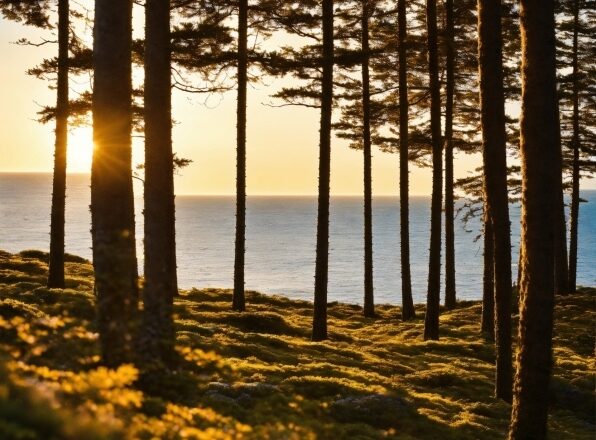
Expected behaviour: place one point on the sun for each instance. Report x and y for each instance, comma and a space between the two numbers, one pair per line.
80, 150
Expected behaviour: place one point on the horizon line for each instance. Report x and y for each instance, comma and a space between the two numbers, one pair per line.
186, 194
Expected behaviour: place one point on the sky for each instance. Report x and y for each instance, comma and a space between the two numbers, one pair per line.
282, 145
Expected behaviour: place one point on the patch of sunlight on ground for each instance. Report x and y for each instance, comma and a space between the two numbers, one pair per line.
257, 375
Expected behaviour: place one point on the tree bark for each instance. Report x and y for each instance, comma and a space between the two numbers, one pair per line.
540, 146
56, 263
407, 310
112, 203
494, 138
561, 261
158, 334
238, 301
575, 177
450, 290
369, 303
431, 319
487, 324
322, 254
520, 257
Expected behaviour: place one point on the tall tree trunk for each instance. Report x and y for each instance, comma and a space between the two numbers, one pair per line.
238, 301
487, 324
540, 147
319, 330
450, 292
369, 303
494, 155
520, 258
112, 203
561, 261
407, 309
431, 320
158, 292
56, 265
575, 177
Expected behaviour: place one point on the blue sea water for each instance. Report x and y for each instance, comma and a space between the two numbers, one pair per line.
280, 239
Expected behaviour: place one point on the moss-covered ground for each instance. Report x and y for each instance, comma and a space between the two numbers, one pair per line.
257, 375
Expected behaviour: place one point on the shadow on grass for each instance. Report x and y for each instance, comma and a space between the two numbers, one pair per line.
257, 375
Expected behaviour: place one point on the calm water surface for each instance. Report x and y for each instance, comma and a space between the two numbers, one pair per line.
280, 239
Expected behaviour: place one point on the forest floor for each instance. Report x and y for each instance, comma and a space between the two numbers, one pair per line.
257, 374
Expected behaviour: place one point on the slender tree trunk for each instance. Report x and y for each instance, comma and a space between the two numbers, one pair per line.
561, 261
112, 203
56, 265
407, 310
158, 293
492, 102
450, 291
574, 217
520, 258
369, 302
540, 147
431, 320
487, 324
238, 301
319, 331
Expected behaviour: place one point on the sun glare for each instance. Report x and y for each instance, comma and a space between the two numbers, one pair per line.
80, 150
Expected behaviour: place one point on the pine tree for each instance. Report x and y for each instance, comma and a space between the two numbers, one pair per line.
56, 262
408, 311
540, 146
431, 320
577, 83
492, 101
450, 290
112, 205
238, 295
575, 177
160, 270
312, 65
36, 13
205, 31
322, 253
369, 305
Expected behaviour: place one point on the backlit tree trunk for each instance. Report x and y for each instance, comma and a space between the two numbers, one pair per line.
322, 256
159, 290
487, 324
431, 320
238, 301
450, 292
561, 261
574, 216
539, 149
494, 155
112, 205
369, 303
56, 264
404, 205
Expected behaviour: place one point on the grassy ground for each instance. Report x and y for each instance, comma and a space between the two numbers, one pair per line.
257, 375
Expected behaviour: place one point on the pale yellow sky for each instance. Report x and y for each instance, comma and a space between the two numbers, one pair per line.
282, 142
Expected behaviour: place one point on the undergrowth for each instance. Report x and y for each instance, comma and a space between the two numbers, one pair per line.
257, 375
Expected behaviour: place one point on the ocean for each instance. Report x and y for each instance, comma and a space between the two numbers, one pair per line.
280, 235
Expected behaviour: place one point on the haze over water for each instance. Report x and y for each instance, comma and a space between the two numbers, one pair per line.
281, 234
